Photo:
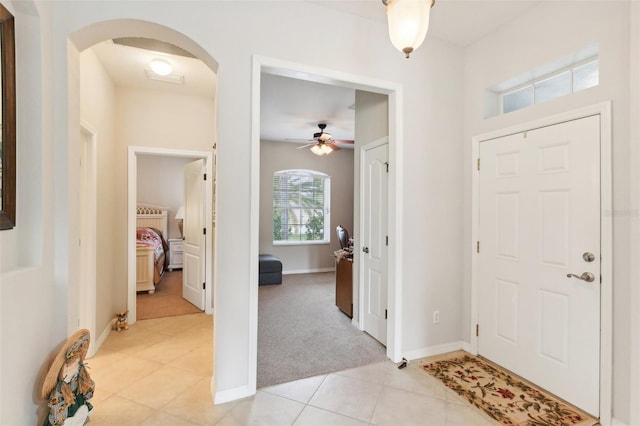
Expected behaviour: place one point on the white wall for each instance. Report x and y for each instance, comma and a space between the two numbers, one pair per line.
29, 291
161, 182
275, 156
97, 109
154, 119
432, 106
524, 44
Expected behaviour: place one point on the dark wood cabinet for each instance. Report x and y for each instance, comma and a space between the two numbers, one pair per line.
344, 285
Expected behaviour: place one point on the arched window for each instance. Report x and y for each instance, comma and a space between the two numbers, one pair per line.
301, 207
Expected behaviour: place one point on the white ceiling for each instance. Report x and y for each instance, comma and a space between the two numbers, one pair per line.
291, 109
460, 22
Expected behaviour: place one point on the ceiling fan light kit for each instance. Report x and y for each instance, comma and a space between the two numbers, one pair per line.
408, 22
322, 149
323, 144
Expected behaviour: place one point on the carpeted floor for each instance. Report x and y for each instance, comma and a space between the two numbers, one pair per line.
500, 395
301, 332
167, 301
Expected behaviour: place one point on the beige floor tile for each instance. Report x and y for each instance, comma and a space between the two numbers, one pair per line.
263, 409
348, 396
376, 373
312, 416
458, 415
196, 404
164, 419
299, 390
122, 373
99, 395
411, 379
199, 361
183, 324
119, 411
165, 351
130, 380
132, 341
160, 387
397, 407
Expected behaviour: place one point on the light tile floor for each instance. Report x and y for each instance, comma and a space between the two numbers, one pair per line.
159, 371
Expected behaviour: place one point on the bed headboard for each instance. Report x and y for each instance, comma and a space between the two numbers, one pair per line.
153, 217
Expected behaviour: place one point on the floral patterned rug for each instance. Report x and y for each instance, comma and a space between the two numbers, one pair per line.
505, 398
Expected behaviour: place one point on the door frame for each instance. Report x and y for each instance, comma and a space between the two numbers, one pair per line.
132, 185
606, 236
393, 90
361, 283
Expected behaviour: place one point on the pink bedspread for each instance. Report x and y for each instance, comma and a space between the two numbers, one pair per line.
149, 237
152, 238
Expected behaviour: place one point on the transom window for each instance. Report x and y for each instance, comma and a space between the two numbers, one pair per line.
301, 210
560, 83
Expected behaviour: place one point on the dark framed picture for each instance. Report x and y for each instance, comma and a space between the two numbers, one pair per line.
8, 123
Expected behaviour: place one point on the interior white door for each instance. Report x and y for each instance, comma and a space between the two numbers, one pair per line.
374, 181
539, 216
193, 267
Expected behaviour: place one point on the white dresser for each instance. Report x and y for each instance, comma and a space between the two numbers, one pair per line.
175, 253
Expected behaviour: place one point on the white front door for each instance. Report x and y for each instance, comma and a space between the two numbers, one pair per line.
193, 269
374, 180
539, 222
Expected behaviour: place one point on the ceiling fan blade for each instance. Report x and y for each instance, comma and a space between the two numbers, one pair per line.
306, 146
343, 141
300, 140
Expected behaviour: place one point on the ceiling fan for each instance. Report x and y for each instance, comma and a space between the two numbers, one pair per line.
323, 144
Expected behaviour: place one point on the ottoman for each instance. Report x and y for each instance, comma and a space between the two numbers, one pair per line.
269, 270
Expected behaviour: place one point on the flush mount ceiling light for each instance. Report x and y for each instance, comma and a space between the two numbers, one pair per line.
160, 67
408, 23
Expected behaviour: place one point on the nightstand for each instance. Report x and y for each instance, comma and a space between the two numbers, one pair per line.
175, 253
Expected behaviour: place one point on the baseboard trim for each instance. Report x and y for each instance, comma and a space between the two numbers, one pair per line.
434, 350
100, 340
232, 394
466, 346
616, 422
307, 271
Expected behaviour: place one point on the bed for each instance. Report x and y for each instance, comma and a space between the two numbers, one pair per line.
151, 246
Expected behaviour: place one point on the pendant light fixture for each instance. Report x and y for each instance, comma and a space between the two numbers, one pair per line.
408, 22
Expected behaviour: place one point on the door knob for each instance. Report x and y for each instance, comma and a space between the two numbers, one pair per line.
365, 249
588, 257
586, 276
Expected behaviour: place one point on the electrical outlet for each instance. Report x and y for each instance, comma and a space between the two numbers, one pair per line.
436, 317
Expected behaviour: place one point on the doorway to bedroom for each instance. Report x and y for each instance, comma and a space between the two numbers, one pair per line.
160, 182
166, 176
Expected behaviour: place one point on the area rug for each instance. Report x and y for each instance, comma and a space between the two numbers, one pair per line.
502, 396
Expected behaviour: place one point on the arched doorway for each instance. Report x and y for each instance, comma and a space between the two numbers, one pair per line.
102, 105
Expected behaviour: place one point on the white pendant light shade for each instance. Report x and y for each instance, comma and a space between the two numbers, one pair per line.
408, 23
160, 67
